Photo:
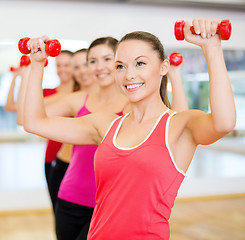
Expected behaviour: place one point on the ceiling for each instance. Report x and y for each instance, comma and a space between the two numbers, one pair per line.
230, 5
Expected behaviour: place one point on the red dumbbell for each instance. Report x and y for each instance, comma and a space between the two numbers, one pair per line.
12, 69
24, 61
223, 29
52, 47
46, 62
175, 58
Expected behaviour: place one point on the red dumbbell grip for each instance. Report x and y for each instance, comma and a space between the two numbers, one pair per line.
224, 29
193, 31
52, 47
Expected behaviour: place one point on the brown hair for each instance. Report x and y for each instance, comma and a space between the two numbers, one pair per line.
82, 50
66, 52
109, 41
156, 46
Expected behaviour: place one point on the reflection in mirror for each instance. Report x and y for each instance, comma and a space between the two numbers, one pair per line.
10, 57
222, 160
225, 158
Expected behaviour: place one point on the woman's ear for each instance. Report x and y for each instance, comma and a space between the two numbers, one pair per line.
164, 67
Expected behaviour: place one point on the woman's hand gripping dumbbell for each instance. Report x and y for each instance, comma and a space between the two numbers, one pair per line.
223, 29
52, 47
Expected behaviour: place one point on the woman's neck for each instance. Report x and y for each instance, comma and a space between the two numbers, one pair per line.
109, 93
66, 86
147, 109
90, 89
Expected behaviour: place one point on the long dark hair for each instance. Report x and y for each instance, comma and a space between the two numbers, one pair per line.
156, 46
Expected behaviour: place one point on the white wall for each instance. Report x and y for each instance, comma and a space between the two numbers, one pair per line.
74, 20
87, 21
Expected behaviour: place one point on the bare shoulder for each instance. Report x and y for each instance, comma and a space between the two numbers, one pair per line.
94, 126
76, 100
181, 121
124, 100
103, 121
125, 104
76, 95
187, 115
181, 139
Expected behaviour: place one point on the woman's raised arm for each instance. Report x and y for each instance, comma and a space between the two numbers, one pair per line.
207, 128
179, 101
85, 130
11, 105
65, 106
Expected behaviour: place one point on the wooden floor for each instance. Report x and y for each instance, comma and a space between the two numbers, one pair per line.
208, 219
217, 219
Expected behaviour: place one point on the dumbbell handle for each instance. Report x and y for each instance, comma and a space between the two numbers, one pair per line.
52, 47
193, 30
223, 29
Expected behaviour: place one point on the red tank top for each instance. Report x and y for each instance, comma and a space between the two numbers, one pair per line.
136, 187
52, 146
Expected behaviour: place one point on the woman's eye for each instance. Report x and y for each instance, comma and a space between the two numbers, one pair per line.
92, 62
118, 67
107, 59
140, 64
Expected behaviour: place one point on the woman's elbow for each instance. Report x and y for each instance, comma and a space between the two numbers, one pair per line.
19, 120
28, 126
226, 126
10, 109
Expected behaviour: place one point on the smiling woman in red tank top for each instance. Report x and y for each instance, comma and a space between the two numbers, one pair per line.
143, 156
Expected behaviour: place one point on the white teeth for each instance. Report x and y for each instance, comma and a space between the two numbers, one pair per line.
134, 86
102, 75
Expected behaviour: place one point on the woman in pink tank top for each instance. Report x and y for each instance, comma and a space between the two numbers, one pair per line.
76, 196
143, 156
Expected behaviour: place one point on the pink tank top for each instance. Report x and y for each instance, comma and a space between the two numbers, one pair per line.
136, 187
78, 185
52, 147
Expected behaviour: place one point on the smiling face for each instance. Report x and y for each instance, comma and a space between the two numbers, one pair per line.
64, 67
139, 69
80, 69
102, 64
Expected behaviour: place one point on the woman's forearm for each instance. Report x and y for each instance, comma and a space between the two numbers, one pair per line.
34, 109
220, 91
21, 97
179, 102
10, 103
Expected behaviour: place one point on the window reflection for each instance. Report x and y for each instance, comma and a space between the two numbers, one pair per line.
195, 81
194, 74
9, 56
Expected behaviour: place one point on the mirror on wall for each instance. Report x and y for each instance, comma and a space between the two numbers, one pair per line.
10, 57
220, 162
194, 75
195, 81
